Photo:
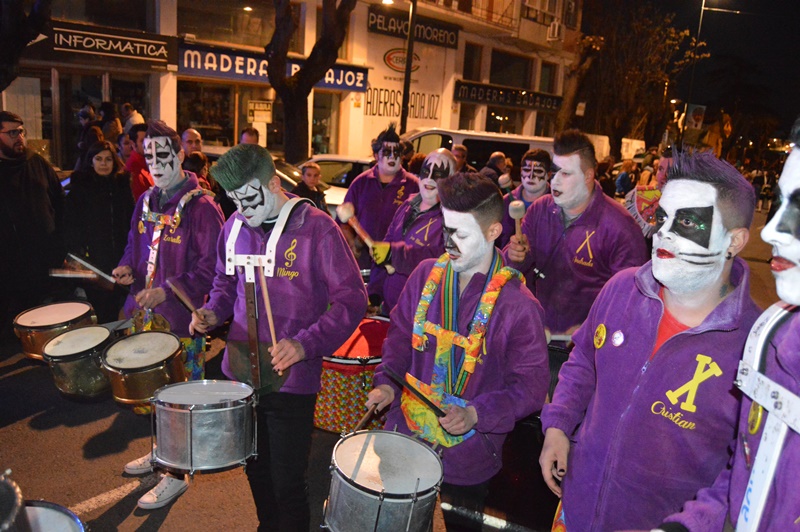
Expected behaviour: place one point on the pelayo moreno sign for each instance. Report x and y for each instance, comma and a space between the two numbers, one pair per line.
505, 96
395, 24
229, 64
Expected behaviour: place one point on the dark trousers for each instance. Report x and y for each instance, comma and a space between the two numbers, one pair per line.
467, 502
278, 476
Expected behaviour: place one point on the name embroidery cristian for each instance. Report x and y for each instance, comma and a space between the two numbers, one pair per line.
290, 257
706, 368
588, 246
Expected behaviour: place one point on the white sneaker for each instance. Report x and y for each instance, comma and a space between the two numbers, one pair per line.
166, 491
140, 466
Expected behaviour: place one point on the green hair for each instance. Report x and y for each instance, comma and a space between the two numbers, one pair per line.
241, 164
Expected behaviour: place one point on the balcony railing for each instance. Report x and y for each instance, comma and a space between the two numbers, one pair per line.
496, 12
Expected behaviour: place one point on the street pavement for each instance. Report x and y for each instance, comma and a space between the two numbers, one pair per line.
72, 453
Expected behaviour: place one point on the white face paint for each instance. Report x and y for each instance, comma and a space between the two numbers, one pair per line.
390, 158
690, 247
570, 185
534, 177
783, 232
163, 162
470, 252
439, 164
254, 201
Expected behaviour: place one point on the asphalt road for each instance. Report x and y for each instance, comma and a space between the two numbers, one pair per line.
72, 453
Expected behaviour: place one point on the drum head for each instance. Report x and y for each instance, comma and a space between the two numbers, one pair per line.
141, 350
45, 516
76, 341
389, 462
207, 392
50, 315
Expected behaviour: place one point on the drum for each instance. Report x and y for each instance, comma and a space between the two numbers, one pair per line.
139, 364
12, 507
347, 378
46, 516
74, 359
204, 425
382, 481
37, 326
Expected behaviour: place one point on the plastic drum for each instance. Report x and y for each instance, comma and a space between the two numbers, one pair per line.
204, 425
74, 359
382, 481
46, 516
139, 364
36, 326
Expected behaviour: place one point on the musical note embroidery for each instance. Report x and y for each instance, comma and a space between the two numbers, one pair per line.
290, 255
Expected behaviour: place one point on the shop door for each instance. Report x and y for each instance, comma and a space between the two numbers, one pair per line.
75, 91
325, 125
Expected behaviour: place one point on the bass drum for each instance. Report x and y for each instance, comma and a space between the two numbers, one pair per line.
37, 326
382, 481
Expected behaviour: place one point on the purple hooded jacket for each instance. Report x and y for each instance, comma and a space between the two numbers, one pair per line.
577, 261
510, 382
725, 497
376, 204
647, 433
186, 255
317, 295
423, 240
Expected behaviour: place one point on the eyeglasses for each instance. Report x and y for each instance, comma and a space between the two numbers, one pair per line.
15, 133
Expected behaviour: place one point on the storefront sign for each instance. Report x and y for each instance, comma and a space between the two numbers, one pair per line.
395, 24
239, 65
71, 42
505, 96
259, 111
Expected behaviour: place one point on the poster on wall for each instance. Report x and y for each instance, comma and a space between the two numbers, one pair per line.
384, 96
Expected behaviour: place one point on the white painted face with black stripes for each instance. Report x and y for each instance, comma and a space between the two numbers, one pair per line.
690, 246
254, 201
163, 162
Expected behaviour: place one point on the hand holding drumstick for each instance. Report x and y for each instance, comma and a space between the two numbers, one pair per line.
286, 352
347, 214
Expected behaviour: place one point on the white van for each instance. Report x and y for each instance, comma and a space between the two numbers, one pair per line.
480, 144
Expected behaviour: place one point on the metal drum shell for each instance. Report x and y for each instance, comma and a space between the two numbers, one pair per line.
352, 506
47, 516
33, 338
204, 437
137, 385
79, 374
13, 517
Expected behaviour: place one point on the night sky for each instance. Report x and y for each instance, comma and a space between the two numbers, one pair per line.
765, 36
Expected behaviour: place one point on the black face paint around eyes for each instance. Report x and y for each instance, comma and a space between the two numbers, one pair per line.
661, 217
789, 222
694, 224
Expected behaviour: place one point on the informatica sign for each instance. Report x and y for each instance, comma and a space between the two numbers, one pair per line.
239, 65
505, 96
395, 24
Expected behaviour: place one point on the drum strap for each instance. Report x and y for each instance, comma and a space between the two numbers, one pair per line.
252, 334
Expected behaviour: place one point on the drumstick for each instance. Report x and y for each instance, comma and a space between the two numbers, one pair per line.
184, 299
60, 272
516, 209
268, 308
98, 271
346, 214
363, 420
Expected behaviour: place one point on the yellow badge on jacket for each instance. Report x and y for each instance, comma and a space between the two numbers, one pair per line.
599, 336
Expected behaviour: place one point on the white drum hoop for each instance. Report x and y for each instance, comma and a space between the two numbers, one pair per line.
41, 516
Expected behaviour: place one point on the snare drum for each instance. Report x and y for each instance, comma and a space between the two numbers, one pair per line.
139, 364
74, 359
382, 481
37, 326
204, 425
347, 378
46, 516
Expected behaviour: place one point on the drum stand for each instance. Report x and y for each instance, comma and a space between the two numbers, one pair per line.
783, 407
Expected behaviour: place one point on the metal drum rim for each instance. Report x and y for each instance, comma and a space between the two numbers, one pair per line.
353, 361
19, 502
142, 369
384, 494
51, 326
75, 356
227, 403
61, 509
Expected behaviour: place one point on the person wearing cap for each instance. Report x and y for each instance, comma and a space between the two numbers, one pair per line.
316, 298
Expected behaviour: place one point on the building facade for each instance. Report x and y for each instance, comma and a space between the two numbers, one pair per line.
487, 65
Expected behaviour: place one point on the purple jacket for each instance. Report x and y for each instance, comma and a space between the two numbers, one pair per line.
510, 383
577, 261
186, 255
317, 295
509, 226
423, 240
375, 205
725, 497
646, 435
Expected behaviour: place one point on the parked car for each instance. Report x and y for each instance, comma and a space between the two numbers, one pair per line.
340, 170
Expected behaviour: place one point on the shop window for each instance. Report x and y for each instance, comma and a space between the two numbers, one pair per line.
226, 21
208, 108
504, 120
114, 13
130, 91
466, 116
510, 70
547, 79
545, 124
325, 124
472, 61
